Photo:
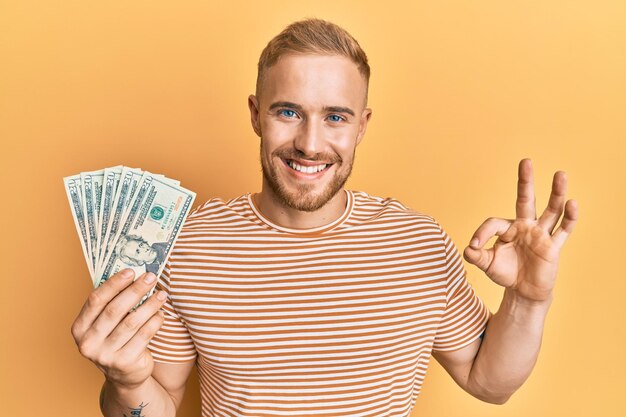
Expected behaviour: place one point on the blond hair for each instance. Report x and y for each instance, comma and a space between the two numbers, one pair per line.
313, 36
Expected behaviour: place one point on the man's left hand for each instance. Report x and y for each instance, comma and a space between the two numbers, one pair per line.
525, 256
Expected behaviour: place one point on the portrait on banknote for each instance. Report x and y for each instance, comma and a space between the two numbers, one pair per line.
134, 250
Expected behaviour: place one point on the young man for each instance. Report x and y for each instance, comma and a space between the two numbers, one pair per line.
310, 299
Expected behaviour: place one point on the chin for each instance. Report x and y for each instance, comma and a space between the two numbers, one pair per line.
309, 203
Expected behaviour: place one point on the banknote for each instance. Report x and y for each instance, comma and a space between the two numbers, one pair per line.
73, 189
126, 218
129, 179
97, 189
109, 187
89, 182
145, 239
118, 206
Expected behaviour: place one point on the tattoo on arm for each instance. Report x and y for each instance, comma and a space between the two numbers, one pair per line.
136, 412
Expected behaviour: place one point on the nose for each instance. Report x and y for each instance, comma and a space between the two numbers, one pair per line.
310, 138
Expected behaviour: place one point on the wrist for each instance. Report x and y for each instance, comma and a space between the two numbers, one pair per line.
114, 396
517, 303
122, 388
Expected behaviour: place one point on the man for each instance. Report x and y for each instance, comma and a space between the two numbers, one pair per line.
309, 299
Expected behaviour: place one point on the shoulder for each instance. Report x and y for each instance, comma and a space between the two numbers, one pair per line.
218, 212
217, 216
210, 222
216, 205
370, 207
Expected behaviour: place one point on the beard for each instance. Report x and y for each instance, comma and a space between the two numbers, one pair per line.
303, 198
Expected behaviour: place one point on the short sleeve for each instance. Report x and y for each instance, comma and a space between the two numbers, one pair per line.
172, 343
465, 316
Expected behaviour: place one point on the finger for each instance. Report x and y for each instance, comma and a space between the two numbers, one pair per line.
490, 227
570, 217
480, 257
119, 307
552, 213
139, 342
98, 299
135, 320
525, 204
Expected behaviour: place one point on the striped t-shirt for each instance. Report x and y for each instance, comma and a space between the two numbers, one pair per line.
339, 320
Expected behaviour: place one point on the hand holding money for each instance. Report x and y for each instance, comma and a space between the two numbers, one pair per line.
127, 221
113, 339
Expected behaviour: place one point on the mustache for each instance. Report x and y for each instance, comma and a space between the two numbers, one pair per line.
296, 154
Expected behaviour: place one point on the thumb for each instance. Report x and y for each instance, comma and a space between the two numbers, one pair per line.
480, 257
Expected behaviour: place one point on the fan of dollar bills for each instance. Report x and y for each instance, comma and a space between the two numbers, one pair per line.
126, 218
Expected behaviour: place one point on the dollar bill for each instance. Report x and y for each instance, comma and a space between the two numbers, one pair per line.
145, 239
126, 218
111, 179
73, 189
88, 196
128, 180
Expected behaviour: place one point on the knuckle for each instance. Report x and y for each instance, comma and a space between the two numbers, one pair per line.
155, 302
122, 362
94, 352
111, 311
146, 332
151, 327
132, 321
94, 299
486, 224
85, 347
139, 289
159, 320
144, 335
76, 333
103, 359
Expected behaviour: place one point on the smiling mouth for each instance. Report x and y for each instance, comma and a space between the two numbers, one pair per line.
311, 169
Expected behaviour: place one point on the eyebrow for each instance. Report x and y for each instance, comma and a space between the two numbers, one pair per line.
290, 105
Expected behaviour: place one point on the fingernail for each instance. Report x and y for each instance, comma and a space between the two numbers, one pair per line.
149, 278
474, 242
127, 274
161, 295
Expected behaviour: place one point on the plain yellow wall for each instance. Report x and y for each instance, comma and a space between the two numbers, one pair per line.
460, 91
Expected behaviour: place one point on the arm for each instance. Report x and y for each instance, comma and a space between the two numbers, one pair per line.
494, 368
523, 260
116, 342
152, 396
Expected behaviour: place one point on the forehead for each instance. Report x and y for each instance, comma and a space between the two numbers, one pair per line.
313, 80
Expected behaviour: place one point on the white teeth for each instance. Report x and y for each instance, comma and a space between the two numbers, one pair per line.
306, 170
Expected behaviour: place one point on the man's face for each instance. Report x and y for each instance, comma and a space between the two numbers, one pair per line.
139, 251
310, 116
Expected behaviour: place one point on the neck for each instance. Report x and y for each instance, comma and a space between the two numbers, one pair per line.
278, 213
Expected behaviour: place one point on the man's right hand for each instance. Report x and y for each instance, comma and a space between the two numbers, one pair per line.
114, 339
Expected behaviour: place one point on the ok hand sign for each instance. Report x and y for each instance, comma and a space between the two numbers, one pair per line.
525, 256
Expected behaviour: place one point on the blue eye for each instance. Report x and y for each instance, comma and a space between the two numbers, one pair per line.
335, 118
286, 112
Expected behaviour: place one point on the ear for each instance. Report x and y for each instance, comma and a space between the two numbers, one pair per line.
253, 105
365, 118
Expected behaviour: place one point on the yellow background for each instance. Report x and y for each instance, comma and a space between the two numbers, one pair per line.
461, 91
